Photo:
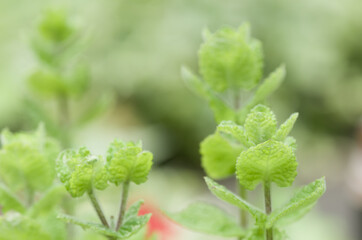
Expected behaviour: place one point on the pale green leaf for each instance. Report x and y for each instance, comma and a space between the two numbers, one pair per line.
14, 226
218, 156
237, 132
128, 162
9, 202
220, 109
269, 85
27, 160
224, 194
271, 161
80, 171
128, 228
299, 204
260, 124
206, 218
291, 142
230, 59
285, 128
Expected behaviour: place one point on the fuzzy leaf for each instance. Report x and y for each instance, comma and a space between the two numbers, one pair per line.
50, 199
218, 156
220, 109
128, 228
27, 160
271, 161
230, 59
8, 201
80, 171
234, 130
300, 204
206, 218
260, 125
269, 85
127, 162
285, 128
291, 142
224, 194
14, 226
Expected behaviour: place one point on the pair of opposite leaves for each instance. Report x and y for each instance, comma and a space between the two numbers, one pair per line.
258, 151
80, 171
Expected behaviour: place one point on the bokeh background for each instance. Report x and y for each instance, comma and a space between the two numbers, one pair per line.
134, 50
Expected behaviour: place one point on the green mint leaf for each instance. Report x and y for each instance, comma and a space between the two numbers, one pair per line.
27, 160
237, 132
260, 124
132, 225
17, 226
47, 83
224, 194
128, 162
299, 204
291, 142
269, 85
206, 218
80, 171
128, 228
133, 210
285, 128
271, 161
54, 26
230, 59
218, 106
218, 156
48, 202
9, 202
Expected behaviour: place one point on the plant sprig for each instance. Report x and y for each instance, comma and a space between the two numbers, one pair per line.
83, 173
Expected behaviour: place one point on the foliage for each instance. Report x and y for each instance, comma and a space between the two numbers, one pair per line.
62, 75
81, 172
231, 61
28, 195
247, 142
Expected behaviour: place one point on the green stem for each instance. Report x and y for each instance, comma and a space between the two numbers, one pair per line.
243, 215
98, 209
242, 191
268, 209
122, 208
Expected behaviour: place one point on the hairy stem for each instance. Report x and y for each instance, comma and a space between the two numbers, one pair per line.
268, 209
242, 191
98, 209
243, 215
122, 208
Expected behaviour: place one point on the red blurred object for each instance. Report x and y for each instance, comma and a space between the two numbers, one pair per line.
158, 223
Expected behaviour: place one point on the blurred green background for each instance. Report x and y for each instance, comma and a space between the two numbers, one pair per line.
134, 50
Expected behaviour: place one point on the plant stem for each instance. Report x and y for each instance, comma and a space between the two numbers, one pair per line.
243, 216
242, 191
268, 209
98, 209
122, 208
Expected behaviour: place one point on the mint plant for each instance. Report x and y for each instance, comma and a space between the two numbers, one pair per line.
28, 195
62, 76
231, 65
247, 142
82, 173
269, 157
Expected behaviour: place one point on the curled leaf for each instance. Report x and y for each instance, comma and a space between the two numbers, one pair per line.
128, 162
80, 171
231, 59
